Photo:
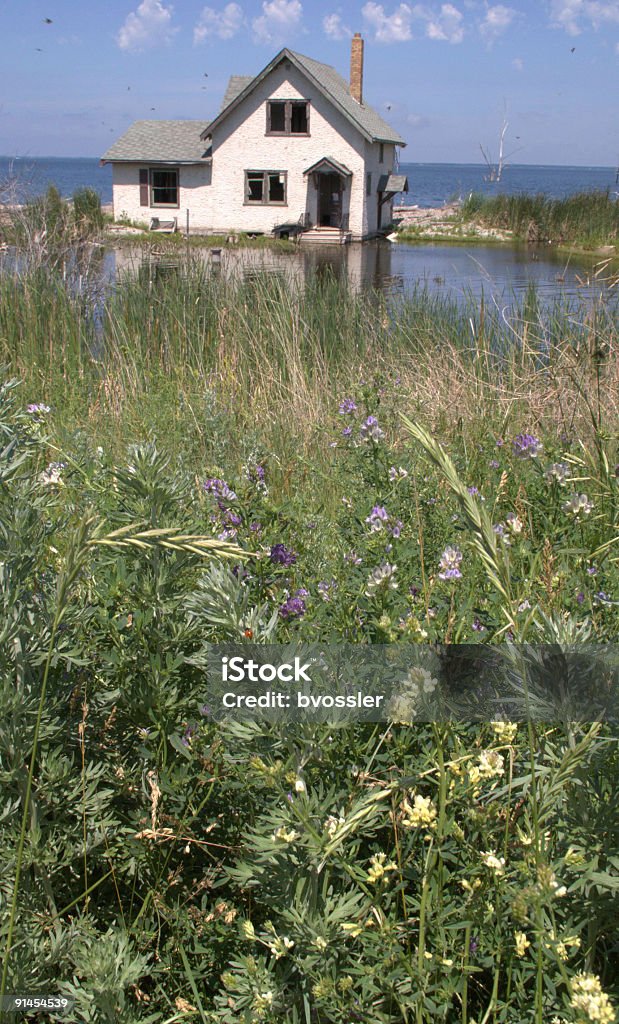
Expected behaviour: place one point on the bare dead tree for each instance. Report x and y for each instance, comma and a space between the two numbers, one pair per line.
495, 170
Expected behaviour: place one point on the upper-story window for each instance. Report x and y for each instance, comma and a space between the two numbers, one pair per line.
288, 117
381, 153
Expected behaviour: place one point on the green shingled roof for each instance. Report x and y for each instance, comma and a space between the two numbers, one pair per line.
171, 142
330, 83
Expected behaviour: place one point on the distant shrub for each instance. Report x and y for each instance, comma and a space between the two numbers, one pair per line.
87, 208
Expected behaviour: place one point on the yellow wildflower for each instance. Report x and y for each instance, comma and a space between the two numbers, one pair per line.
421, 813
522, 943
589, 999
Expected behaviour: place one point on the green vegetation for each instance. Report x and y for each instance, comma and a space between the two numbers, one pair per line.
587, 219
191, 460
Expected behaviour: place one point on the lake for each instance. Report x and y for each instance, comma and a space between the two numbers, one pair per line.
504, 274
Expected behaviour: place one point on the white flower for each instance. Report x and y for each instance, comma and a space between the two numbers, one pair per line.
496, 864
578, 504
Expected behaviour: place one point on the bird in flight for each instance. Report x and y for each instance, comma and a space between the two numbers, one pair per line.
47, 21
572, 50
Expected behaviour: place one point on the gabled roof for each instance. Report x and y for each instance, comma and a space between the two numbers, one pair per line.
332, 86
327, 163
161, 142
235, 87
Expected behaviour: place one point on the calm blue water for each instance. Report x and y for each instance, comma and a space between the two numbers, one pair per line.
435, 184
430, 184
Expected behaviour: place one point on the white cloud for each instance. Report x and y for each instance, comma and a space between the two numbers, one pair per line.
334, 28
280, 18
518, 64
571, 14
149, 25
388, 28
497, 20
447, 25
222, 24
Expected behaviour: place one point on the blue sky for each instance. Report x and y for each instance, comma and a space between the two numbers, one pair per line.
445, 75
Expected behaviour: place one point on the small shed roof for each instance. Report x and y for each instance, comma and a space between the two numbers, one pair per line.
160, 142
393, 183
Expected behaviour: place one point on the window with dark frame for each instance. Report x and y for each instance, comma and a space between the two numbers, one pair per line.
288, 117
368, 183
381, 153
266, 188
163, 187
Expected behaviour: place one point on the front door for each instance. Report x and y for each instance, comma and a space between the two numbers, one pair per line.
329, 200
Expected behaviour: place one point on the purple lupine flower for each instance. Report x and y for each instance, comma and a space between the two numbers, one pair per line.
188, 735
499, 442
218, 488
370, 430
494, 464
255, 474
473, 945
377, 518
347, 405
603, 597
526, 446
473, 491
352, 558
281, 555
478, 626
450, 564
347, 431
592, 570
255, 527
580, 597
292, 608
327, 589
38, 409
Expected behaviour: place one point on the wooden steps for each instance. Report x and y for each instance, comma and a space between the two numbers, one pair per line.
324, 236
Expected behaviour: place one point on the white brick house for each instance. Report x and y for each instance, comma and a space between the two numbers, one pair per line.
293, 148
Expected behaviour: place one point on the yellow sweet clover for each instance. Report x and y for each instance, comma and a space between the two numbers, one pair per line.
589, 999
421, 814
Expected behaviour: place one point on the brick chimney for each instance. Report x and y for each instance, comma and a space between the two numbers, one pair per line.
356, 67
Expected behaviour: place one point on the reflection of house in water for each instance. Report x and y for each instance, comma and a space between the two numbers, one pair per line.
358, 266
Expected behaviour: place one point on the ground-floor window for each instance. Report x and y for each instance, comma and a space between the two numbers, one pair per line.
163, 187
266, 188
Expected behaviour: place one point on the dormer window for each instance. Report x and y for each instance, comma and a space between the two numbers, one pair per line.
288, 117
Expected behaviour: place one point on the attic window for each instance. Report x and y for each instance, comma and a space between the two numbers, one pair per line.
288, 117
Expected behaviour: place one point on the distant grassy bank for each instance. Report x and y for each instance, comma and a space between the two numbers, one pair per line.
587, 219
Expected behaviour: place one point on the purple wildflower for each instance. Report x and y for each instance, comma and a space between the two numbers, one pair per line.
473, 945
580, 597
352, 558
188, 735
494, 464
478, 626
293, 608
473, 491
526, 446
592, 570
347, 405
281, 555
450, 564
205, 710
327, 589
38, 409
218, 488
347, 431
370, 430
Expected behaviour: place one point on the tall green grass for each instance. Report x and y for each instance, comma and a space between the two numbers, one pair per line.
588, 218
181, 355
